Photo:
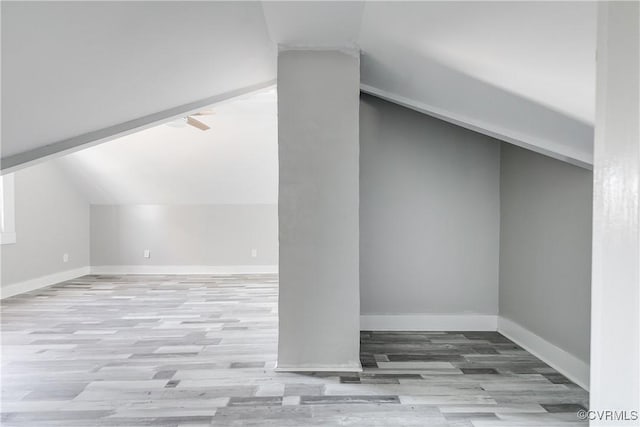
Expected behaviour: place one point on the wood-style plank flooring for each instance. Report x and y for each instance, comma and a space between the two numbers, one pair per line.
200, 351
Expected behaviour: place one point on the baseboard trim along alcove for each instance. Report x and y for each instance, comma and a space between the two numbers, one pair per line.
428, 322
570, 366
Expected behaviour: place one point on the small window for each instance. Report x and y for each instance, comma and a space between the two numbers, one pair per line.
7, 210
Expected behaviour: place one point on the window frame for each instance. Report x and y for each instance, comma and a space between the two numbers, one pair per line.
8, 206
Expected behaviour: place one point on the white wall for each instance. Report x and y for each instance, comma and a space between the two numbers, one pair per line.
184, 235
429, 215
319, 309
52, 218
615, 337
545, 248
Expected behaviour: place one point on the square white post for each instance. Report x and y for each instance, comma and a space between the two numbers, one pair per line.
318, 137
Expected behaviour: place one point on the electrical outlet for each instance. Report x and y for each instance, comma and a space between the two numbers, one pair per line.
65, 257
147, 253
254, 253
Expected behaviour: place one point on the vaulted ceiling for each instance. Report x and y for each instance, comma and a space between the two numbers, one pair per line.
74, 72
234, 162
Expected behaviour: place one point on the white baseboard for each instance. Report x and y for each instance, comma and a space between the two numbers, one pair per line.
323, 368
428, 322
183, 269
41, 282
567, 364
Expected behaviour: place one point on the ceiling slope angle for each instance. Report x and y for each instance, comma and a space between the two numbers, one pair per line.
85, 72
523, 72
234, 162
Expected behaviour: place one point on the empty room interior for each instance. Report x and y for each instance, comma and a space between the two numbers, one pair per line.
320, 213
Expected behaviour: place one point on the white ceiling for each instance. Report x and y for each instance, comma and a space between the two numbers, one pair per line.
74, 67
522, 71
544, 52
234, 162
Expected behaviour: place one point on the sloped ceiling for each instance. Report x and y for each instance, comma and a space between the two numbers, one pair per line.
69, 68
519, 71
234, 162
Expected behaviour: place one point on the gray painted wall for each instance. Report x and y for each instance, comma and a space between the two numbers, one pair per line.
545, 248
52, 218
202, 235
429, 214
318, 98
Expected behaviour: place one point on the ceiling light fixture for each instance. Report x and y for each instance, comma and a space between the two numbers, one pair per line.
191, 121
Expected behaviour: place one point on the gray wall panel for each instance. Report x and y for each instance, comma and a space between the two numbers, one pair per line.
52, 218
545, 248
202, 235
429, 214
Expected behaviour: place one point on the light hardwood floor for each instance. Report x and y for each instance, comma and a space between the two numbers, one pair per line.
200, 350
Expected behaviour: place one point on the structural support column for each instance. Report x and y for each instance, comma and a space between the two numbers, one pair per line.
615, 331
318, 137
